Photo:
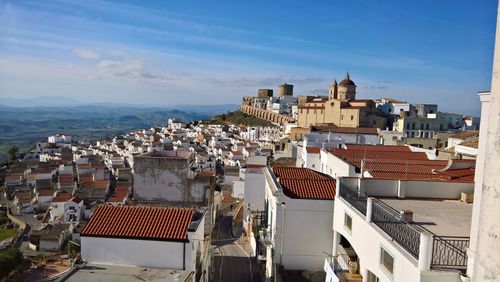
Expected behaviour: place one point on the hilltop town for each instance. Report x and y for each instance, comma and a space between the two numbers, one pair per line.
296, 197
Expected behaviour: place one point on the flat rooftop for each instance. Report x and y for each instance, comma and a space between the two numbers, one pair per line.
98, 273
441, 217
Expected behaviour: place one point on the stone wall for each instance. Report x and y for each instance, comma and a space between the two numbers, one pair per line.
266, 115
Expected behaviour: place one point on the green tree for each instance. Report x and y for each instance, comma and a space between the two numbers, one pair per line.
12, 153
10, 259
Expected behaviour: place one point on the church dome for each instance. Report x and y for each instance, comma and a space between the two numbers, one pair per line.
347, 81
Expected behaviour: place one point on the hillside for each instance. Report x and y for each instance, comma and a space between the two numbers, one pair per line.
25, 126
238, 118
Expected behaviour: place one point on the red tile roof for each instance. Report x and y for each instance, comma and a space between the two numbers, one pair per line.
313, 150
464, 135
45, 192
23, 195
297, 173
465, 175
121, 192
354, 153
379, 148
138, 222
76, 200
304, 183
14, 177
399, 162
351, 130
62, 197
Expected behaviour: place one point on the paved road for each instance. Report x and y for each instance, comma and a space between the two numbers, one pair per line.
231, 262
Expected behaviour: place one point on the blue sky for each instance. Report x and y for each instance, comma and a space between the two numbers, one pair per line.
212, 52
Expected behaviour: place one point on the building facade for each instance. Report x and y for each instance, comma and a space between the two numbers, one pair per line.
341, 109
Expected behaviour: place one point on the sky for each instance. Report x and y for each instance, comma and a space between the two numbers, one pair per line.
216, 52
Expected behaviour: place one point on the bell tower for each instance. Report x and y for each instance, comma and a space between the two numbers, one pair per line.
332, 93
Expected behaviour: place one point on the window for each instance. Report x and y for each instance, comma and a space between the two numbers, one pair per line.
427, 126
348, 222
372, 277
352, 117
386, 261
342, 117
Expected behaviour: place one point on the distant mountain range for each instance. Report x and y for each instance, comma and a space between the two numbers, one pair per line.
24, 126
55, 102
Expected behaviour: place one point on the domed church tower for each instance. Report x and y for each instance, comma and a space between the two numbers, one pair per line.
347, 89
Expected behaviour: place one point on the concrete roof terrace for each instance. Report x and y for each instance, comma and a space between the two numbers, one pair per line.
93, 272
441, 217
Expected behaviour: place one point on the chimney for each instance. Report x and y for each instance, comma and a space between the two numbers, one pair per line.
406, 215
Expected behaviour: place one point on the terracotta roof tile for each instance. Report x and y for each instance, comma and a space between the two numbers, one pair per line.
399, 162
62, 197
313, 150
137, 222
121, 192
297, 173
464, 135
323, 189
304, 183
353, 130
45, 192
379, 148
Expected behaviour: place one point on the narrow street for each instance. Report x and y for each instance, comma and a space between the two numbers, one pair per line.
231, 261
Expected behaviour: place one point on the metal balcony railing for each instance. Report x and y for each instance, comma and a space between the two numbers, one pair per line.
339, 264
354, 198
404, 233
447, 251
450, 252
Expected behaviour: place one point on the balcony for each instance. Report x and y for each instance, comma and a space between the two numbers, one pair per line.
356, 199
338, 266
428, 248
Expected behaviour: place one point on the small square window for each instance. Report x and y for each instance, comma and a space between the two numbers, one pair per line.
348, 221
386, 261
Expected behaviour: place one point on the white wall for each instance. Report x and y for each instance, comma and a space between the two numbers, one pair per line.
444, 190
312, 161
307, 233
254, 190
334, 166
143, 253
238, 189
49, 245
379, 187
412, 189
306, 229
368, 250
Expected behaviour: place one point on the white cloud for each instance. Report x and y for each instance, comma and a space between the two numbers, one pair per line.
126, 68
86, 54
